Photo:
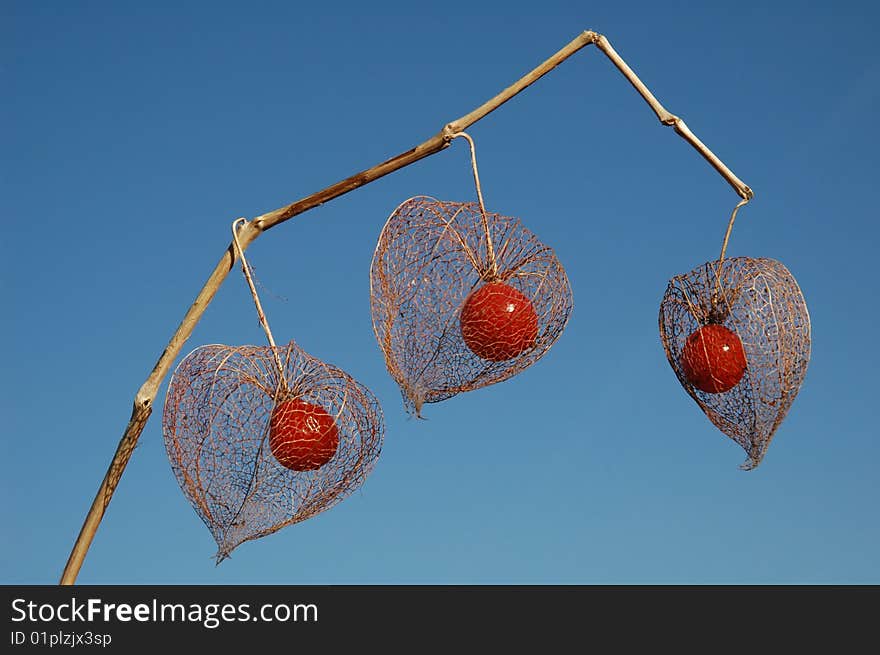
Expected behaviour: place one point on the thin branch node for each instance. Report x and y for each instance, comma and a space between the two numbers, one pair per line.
144, 397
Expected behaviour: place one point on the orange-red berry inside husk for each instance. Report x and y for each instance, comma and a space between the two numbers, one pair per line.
498, 322
713, 359
302, 436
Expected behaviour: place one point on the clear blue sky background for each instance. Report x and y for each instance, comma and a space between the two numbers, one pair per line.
134, 133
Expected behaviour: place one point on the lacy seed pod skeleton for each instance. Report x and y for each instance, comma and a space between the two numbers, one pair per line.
760, 306
261, 437
216, 423
462, 298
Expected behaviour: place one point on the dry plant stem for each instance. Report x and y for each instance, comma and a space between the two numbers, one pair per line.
742, 202
490, 250
143, 403
729, 229
671, 119
246, 269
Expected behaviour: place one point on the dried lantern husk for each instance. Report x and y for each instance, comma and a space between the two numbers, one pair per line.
430, 256
216, 426
760, 300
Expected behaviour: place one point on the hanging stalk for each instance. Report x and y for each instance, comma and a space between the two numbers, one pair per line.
246, 269
143, 402
491, 264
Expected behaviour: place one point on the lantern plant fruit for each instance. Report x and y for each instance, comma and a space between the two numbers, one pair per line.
498, 322
302, 436
713, 359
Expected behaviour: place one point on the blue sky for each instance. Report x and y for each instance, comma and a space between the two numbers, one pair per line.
134, 133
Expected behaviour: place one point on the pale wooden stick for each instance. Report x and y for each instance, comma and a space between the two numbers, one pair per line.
143, 402
671, 119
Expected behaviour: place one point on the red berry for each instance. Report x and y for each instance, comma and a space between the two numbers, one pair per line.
302, 436
498, 322
713, 359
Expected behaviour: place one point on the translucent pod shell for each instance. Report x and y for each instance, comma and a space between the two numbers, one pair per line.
761, 302
430, 257
216, 425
